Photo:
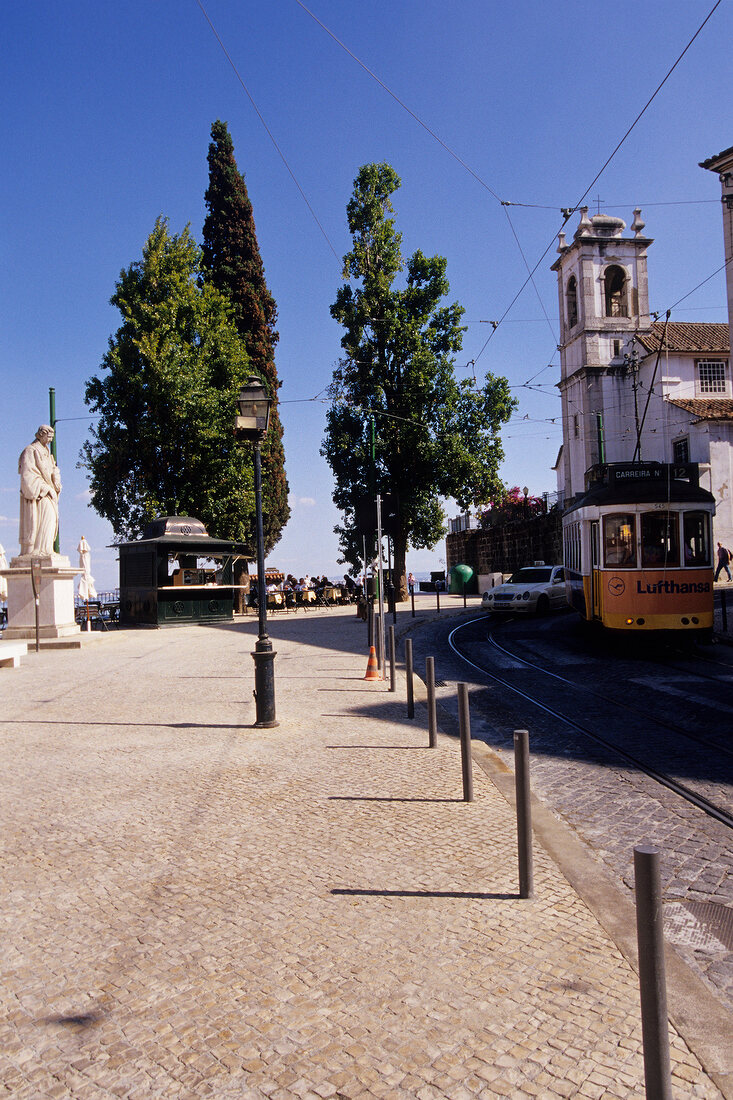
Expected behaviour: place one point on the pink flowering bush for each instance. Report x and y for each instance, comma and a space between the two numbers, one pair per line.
510, 507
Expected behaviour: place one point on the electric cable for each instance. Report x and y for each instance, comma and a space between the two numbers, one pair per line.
400, 102
613, 205
267, 130
567, 211
598, 175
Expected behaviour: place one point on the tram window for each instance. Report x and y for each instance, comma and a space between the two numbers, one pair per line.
696, 538
572, 546
660, 539
619, 541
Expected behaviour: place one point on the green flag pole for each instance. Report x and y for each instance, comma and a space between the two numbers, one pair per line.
52, 422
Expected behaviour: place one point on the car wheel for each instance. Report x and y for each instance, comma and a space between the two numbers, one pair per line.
543, 605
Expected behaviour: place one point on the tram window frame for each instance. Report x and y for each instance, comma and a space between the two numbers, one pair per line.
700, 559
573, 547
613, 545
654, 555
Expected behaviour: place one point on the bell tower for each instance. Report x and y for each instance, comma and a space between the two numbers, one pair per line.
604, 301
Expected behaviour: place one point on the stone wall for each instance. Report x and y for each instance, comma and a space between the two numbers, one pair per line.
507, 547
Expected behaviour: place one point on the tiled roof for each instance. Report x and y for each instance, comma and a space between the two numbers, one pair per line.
711, 162
695, 336
705, 408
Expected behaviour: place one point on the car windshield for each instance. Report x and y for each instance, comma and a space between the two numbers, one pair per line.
531, 576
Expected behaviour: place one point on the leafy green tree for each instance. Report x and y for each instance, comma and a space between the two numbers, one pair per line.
436, 437
232, 263
166, 400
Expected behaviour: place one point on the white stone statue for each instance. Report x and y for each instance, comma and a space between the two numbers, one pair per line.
40, 485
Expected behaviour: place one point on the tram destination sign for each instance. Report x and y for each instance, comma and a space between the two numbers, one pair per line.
621, 473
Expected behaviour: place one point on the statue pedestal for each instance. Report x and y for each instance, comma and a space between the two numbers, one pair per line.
56, 599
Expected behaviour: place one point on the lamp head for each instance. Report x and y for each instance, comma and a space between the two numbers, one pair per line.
254, 411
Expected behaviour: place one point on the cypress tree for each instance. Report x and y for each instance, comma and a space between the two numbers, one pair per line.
232, 264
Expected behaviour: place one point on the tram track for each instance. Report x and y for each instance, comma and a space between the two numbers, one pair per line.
662, 723
680, 789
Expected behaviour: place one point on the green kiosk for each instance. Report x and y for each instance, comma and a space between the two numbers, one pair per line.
177, 573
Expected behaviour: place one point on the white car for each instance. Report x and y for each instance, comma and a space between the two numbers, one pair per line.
536, 588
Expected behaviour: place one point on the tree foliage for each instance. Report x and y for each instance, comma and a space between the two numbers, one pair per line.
436, 436
232, 263
166, 400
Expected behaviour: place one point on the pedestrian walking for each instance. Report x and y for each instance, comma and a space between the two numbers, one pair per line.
724, 557
411, 584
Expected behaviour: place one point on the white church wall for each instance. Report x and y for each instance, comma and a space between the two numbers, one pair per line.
721, 476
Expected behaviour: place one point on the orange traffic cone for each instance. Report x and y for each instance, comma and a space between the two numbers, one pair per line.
372, 672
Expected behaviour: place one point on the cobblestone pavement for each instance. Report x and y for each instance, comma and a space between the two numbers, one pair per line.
614, 807
197, 908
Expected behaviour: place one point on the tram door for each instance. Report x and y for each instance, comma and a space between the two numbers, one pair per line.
595, 575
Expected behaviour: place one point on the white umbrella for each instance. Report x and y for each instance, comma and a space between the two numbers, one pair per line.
87, 591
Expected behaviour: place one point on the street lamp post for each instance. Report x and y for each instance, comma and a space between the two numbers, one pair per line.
251, 424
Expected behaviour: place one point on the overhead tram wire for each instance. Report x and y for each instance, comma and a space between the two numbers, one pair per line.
614, 205
443, 144
707, 280
505, 204
400, 102
267, 129
475, 175
598, 175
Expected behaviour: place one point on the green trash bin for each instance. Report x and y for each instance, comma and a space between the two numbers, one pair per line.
460, 575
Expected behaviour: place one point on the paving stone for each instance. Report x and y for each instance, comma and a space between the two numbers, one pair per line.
307, 911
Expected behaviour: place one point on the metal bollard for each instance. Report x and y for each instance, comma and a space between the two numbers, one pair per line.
370, 623
724, 609
464, 724
392, 671
432, 709
412, 600
437, 597
408, 673
464, 595
378, 636
652, 982
524, 813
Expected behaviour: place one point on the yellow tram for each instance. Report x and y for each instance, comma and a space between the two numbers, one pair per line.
638, 548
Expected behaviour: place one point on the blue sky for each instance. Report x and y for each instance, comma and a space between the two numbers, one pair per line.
106, 122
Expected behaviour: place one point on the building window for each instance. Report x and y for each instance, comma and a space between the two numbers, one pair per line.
711, 376
615, 292
681, 451
576, 426
571, 297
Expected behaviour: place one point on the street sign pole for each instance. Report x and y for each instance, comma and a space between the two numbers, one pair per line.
381, 582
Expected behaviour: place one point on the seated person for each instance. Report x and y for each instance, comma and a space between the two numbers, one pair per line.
653, 555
